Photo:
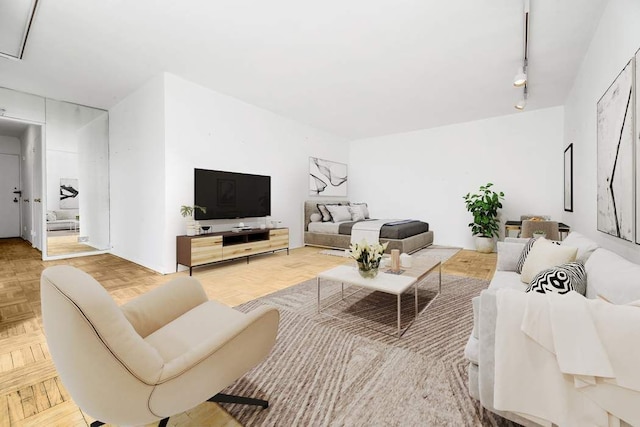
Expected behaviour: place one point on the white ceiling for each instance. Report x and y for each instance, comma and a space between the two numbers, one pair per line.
352, 67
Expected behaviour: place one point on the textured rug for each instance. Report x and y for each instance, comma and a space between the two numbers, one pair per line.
336, 370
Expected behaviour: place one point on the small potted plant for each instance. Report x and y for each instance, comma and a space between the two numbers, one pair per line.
368, 257
187, 212
539, 233
484, 207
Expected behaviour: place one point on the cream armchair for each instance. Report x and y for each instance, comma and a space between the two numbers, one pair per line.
158, 355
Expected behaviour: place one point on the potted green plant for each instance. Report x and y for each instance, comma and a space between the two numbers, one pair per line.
187, 212
484, 207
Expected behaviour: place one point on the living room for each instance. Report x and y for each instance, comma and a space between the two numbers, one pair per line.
170, 118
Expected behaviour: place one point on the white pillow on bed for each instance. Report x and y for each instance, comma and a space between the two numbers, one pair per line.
316, 217
365, 208
357, 212
339, 213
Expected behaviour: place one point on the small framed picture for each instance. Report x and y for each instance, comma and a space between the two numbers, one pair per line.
568, 178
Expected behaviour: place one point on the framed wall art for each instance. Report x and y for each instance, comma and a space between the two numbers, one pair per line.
615, 162
568, 178
327, 178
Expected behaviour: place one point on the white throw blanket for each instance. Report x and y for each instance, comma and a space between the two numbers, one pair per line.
567, 359
368, 230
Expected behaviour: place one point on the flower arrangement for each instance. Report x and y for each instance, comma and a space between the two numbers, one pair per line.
367, 256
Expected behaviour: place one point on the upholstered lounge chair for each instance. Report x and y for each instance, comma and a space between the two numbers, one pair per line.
161, 354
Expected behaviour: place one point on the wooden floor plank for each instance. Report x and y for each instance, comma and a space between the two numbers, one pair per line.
14, 404
27, 398
53, 393
5, 420
40, 397
64, 415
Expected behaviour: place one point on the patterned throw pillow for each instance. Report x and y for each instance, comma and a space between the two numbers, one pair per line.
326, 216
561, 279
524, 253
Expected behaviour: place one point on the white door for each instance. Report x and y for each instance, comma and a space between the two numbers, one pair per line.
9, 201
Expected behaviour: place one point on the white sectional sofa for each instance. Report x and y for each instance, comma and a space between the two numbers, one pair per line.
609, 277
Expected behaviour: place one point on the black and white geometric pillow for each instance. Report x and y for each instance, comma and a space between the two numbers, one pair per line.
560, 279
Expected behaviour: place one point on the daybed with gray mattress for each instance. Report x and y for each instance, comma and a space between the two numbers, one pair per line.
408, 237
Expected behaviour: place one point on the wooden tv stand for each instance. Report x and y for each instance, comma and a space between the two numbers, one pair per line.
194, 251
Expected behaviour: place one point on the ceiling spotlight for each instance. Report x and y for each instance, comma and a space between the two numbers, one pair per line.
521, 78
523, 102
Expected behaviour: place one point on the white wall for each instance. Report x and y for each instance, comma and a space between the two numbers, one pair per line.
137, 175
93, 173
208, 130
614, 43
424, 174
9, 145
31, 182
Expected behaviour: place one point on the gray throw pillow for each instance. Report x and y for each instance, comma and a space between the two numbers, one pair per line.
561, 279
339, 213
364, 207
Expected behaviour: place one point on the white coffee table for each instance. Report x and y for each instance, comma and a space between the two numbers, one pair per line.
386, 282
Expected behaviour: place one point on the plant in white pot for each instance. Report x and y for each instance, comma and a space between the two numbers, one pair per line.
484, 207
187, 213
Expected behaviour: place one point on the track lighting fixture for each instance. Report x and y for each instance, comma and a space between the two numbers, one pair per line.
523, 102
522, 79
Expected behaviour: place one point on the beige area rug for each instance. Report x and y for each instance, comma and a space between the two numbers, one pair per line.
338, 370
442, 253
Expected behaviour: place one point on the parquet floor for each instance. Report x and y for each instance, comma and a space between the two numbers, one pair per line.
31, 393
61, 245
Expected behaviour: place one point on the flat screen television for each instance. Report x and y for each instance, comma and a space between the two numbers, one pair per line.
228, 195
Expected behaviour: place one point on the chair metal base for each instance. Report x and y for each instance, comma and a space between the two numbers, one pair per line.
229, 398
218, 398
163, 423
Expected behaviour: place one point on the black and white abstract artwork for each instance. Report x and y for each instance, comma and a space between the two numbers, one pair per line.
327, 178
568, 178
615, 157
637, 135
69, 193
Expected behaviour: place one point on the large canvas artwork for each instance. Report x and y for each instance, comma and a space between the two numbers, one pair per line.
69, 193
327, 178
637, 136
615, 157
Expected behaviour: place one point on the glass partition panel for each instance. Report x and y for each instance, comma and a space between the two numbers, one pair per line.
77, 172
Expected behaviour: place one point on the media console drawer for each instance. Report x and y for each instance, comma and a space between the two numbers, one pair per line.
206, 249
193, 251
244, 249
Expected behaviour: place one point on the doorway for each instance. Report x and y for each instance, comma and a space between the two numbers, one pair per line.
21, 179
9, 195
